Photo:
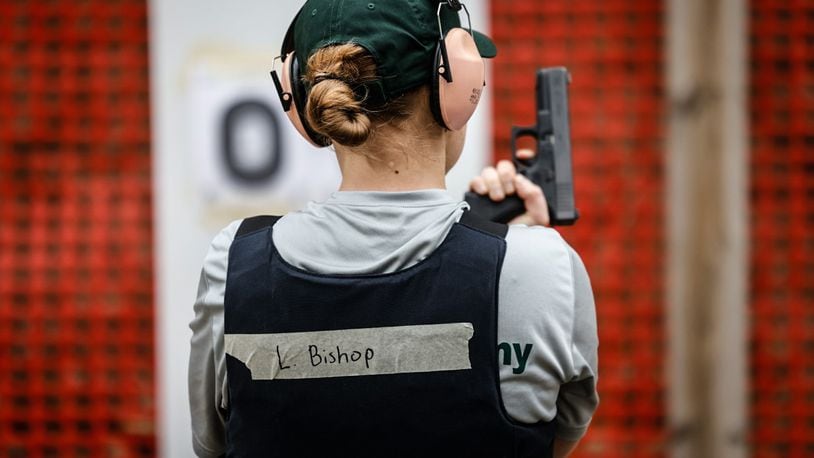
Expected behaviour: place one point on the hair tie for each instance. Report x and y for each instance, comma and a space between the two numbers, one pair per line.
322, 77
360, 90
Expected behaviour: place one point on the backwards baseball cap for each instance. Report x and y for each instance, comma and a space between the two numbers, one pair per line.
401, 35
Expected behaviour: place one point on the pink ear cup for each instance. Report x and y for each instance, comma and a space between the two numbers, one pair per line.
293, 112
459, 98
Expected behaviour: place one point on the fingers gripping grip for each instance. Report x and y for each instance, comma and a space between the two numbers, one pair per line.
512, 206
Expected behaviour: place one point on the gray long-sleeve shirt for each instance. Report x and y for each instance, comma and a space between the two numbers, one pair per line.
547, 336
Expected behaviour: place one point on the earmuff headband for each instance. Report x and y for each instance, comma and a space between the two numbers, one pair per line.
455, 6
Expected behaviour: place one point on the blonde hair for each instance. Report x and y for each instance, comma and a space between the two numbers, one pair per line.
338, 106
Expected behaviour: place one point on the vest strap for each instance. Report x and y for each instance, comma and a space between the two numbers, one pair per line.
256, 223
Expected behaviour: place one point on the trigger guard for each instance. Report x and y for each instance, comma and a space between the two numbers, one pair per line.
522, 164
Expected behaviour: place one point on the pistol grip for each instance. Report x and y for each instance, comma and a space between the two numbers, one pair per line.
499, 212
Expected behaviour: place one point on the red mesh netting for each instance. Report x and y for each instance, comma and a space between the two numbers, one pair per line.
76, 288
614, 51
782, 205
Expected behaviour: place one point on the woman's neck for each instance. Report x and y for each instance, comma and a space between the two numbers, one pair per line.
395, 159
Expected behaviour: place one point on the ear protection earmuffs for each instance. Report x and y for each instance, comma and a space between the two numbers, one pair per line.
292, 94
458, 79
455, 88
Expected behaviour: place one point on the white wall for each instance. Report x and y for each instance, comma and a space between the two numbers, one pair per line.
219, 48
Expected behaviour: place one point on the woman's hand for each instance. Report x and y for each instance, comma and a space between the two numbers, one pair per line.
503, 180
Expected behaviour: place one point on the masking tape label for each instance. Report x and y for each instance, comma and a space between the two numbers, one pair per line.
353, 352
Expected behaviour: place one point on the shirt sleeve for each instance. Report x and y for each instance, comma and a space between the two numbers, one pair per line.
207, 369
578, 399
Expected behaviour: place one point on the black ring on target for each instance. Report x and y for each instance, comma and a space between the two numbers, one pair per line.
252, 176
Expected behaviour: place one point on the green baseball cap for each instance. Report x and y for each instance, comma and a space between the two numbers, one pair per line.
401, 35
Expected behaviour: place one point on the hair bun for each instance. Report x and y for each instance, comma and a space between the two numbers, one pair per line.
332, 108
334, 111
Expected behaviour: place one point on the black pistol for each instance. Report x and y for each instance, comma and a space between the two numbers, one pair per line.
551, 166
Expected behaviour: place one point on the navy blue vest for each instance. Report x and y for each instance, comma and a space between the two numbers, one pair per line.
445, 413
